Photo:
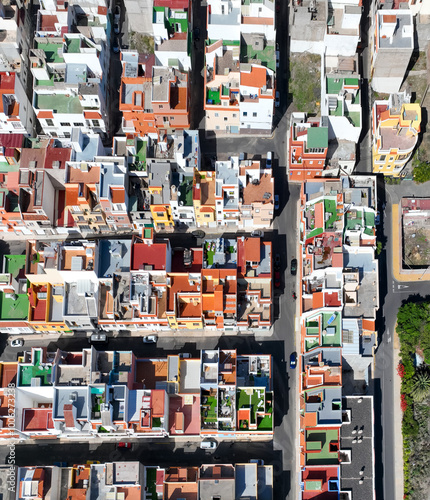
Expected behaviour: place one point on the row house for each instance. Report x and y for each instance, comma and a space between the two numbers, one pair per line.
172, 43
236, 394
238, 96
238, 194
341, 98
338, 304
89, 393
133, 480
396, 124
154, 99
240, 68
148, 160
68, 89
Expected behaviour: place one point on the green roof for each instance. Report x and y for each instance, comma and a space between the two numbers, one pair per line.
13, 264
59, 103
27, 372
323, 456
351, 81
13, 308
73, 45
317, 137
52, 51
334, 85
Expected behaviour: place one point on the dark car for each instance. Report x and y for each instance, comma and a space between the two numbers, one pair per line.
294, 267
278, 6
277, 279
277, 261
196, 33
293, 360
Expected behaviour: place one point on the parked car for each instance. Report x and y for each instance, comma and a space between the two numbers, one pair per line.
196, 34
257, 233
123, 444
115, 45
277, 279
117, 20
98, 338
17, 343
150, 339
91, 462
277, 99
208, 445
269, 159
278, 6
294, 267
293, 360
277, 58
277, 261
276, 201
377, 218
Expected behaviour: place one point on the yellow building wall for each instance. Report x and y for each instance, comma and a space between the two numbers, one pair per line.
162, 214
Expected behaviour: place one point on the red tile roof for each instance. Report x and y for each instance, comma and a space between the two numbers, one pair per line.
149, 255
10, 142
45, 114
60, 155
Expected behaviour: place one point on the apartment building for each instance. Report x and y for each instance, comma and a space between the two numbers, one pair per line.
396, 124
16, 114
391, 48
227, 192
308, 146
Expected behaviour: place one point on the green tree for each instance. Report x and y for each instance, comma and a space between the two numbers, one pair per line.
421, 171
421, 384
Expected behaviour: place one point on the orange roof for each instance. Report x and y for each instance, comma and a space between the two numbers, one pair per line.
45, 114
310, 419
219, 298
318, 300
117, 194
368, 324
92, 115
208, 302
157, 402
319, 215
252, 249
254, 78
179, 420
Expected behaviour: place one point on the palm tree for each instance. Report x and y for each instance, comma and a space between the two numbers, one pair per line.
421, 384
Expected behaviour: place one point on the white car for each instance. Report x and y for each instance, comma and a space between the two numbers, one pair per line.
17, 343
277, 99
277, 58
150, 339
208, 445
269, 159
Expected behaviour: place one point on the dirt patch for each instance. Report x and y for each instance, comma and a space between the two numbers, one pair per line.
142, 43
416, 241
305, 82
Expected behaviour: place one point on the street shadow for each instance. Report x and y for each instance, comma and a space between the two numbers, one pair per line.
378, 438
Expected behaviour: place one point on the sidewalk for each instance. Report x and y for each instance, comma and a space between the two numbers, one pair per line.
398, 448
399, 273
